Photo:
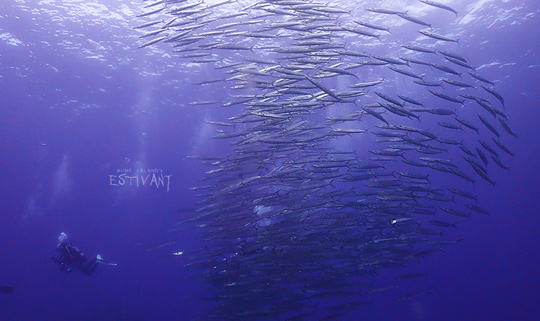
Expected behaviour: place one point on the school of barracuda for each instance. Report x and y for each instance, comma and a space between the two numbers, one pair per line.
343, 161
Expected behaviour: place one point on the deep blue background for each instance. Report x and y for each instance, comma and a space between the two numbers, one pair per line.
137, 111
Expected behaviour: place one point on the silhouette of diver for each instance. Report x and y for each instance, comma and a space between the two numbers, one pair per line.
70, 256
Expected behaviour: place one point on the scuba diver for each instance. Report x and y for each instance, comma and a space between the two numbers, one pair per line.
70, 256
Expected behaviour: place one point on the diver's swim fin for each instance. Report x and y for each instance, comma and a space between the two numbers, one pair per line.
6, 289
102, 261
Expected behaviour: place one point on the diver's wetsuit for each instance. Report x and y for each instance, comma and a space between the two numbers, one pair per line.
70, 256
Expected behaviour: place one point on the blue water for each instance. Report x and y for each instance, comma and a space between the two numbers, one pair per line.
79, 103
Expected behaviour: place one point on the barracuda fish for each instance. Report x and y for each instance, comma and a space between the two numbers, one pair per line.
372, 26
483, 158
349, 131
148, 24
390, 60
321, 87
420, 49
437, 36
385, 11
149, 13
452, 55
339, 71
414, 175
482, 79
443, 224
406, 73
153, 4
392, 153
416, 163
184, 7
401, 220
457, 83
486, 106
410, 100
495, 94
152, 33
466, 124
375, 114
477, 209
449, 125
446, 97
362, 32
459, 63
446, 69
488, 148
413, 141
466, 150
439, 5
481, 171
415, 61
463, 175
217, 4
463, 193
499, 163
427, 83
503, 147
294, 186
367, 84
151, 42
389, 99
446, 162
506, 127
414, 20
400, 111
489, 126
454, 211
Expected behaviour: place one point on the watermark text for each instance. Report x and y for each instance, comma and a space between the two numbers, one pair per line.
140, 177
